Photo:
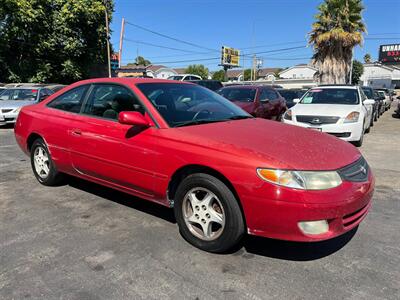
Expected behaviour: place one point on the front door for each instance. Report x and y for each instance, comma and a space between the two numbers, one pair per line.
108, 151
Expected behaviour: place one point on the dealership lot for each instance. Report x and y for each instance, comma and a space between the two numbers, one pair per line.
84, 241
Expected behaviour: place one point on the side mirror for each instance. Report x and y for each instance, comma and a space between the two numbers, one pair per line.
132, 118
369, 102
296, 100
264, 100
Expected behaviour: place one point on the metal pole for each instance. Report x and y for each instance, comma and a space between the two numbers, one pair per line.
108, 40
351, 65
121, 39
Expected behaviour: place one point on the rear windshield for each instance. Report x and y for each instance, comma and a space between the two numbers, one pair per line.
175, 77
238, 94
331, 96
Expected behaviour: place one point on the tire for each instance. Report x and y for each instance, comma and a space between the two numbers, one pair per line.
195, 217
43, 166
361, 140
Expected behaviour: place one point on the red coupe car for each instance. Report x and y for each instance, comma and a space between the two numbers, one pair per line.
224, 172
258, 100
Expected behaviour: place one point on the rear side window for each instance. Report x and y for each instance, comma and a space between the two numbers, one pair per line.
108, 100
268, 94
70, 101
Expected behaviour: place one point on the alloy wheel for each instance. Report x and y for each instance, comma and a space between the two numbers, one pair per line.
41, 162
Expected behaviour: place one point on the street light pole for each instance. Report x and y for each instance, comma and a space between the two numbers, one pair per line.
108, 39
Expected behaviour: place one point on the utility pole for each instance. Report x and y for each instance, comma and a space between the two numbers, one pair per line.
108, 39
121, 40
351, 65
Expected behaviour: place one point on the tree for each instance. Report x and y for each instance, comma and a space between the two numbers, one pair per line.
357, 71
219, 75
140, 60
53, 41
367, 58
199, 70
247, 74
337, 29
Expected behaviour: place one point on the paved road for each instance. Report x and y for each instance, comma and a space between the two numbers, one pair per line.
83, 241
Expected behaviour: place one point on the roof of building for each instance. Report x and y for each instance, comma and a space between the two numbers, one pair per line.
180, 70
298, 66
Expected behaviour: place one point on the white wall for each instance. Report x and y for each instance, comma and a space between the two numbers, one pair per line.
377, 76
303, 72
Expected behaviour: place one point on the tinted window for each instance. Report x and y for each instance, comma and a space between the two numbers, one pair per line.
71, 100
19, 94
331, 96
289, 95
5, 95
212, 85
108, 100
177, 77
188, 104
268, 94
368, 92
239, 94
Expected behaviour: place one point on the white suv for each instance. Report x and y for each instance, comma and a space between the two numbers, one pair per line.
340, 110
184, 77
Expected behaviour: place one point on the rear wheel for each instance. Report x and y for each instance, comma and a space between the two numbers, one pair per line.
361, 140
208, 214
42, 164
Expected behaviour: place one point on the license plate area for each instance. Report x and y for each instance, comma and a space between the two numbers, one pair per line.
315, 128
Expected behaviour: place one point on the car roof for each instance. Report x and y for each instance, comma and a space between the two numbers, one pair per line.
128, 80
335, 86
248, 86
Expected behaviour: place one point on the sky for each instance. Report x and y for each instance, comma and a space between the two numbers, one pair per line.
203, 26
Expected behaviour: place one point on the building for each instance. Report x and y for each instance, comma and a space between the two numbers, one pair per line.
381, 76
262, 74
301, 71
160, 71
131, 71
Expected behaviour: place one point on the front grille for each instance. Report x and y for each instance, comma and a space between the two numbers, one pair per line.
356, 172
6, 110
317, 120
355, 217
340, 134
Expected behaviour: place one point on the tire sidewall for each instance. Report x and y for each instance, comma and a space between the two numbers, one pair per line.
51, 178
234, 223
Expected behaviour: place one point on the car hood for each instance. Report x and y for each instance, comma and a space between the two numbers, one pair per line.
272, 144
14, 104
339, 110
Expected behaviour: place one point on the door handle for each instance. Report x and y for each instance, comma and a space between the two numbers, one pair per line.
76, 132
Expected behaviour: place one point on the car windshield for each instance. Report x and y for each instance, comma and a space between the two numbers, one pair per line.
19, 94
238, 94
189, 104
381, 93
290, 95
368, 93
331, 96
178, 77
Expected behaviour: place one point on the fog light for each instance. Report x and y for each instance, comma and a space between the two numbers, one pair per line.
314, 227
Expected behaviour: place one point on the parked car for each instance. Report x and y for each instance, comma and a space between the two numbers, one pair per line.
290, 94
380, 98
397, 111
224, 172
213, 85
369, 92
185, 77
12, 99
340, 110
260, 101
387, 101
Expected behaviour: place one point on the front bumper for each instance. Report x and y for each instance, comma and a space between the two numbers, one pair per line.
8, 118
278, 212
345, 131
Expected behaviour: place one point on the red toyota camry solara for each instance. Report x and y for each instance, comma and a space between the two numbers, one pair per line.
223, 171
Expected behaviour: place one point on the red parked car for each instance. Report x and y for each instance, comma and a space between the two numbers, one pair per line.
224, 172
258, 100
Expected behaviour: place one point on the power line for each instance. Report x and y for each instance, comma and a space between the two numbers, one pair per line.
160, 46
170, 37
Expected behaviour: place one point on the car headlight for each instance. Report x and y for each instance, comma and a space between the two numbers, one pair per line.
352, 117
305, 180
288, 115
17, 110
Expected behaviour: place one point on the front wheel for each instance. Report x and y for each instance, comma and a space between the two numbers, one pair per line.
208, 214
361, 140
43, 166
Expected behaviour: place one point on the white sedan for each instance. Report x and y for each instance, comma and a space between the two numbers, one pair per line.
340, 110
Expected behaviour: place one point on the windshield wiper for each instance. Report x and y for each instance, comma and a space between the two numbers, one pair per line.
197, 122
240, 117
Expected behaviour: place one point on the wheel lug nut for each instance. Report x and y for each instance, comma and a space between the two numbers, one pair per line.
196, 215
208, 215
203, 207
204, 221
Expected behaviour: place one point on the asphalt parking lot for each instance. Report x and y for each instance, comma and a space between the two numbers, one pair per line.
84, 241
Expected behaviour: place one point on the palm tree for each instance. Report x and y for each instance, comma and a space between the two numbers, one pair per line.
337, 30
367, 58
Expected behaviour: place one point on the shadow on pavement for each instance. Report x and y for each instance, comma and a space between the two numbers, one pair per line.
396, 116
296, 251
130, 201
7, 126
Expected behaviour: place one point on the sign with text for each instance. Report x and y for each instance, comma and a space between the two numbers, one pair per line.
230, 57
389, 53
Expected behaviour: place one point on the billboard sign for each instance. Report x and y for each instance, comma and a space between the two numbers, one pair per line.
230, 57
389, 53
